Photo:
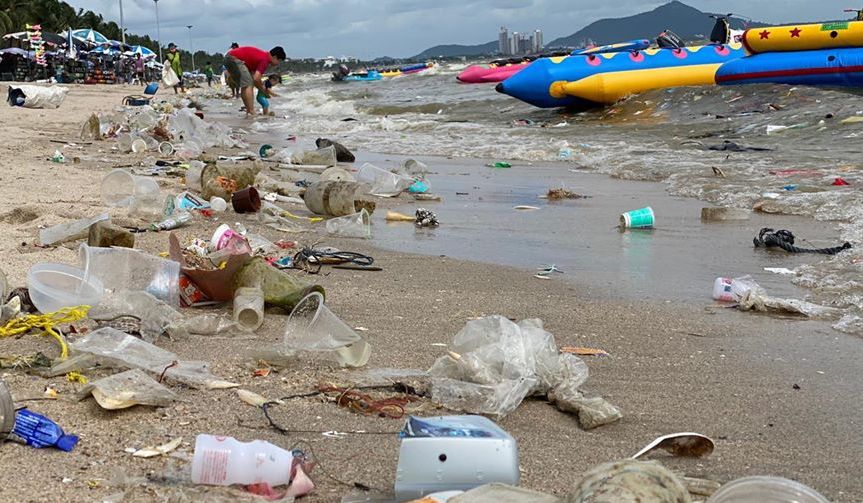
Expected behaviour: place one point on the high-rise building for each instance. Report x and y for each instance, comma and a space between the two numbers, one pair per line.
537, 41
503, 43
513, 43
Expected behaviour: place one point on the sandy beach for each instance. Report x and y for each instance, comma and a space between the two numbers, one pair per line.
777, 394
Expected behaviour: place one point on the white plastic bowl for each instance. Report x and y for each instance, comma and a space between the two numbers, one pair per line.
55, 286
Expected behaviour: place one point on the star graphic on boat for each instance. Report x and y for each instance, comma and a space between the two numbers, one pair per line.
764, 35
795, 33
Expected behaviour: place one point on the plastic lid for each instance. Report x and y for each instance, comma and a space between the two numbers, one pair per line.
67, 442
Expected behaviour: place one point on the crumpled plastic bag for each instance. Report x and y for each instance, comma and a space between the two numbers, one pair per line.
127, 389
752, 297
495, 363
37, 96
156, 316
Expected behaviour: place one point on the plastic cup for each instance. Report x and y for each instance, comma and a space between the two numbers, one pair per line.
762, 489
218, 204
358, 225
166, 148
265, 151
638, 219
194, 175
313, 327
120, 188
139, 145
246, 201
124, 143
384, 183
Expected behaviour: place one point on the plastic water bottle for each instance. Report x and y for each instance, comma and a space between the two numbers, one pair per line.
222, 461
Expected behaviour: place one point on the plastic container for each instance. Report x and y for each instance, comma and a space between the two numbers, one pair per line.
223, 461
336, 174
313, 327
638, 219
218, 204
453, 453
139, 146
383, 182
7, 410
321, 157
358, 225
249, 307
55, 286
69, 230
124, 142
125, 269
151, 88
38, 431
221, 237
166, 148
762, 489
337, 198
722, 290
246, 201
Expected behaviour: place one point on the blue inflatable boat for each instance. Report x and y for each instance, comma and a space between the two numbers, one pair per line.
822, 67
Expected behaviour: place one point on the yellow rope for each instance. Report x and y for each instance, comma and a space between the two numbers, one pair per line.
46, 322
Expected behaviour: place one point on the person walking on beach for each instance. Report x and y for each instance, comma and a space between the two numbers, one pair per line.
173, 58
247, 65
208, 71
139, 69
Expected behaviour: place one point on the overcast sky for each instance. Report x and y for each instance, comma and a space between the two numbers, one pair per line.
371, 28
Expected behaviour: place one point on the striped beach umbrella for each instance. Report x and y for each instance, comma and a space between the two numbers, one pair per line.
90, 35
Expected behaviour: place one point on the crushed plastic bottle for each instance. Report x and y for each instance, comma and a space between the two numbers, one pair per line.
38, 431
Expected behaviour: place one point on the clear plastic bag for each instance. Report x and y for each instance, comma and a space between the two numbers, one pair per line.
127, 389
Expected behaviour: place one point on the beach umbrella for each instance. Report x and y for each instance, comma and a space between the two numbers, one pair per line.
143, 51
14, 50
90, 35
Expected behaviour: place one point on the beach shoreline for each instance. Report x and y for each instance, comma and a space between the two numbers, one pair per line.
673, 367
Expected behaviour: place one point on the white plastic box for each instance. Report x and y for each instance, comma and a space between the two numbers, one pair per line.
453, 453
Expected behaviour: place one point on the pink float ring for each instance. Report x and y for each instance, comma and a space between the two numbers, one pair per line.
679, 53
722, 50
636, 56
592, 60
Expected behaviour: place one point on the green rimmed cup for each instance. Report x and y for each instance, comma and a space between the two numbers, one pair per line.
638, 219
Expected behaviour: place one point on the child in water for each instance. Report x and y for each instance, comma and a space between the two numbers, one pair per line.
271, 81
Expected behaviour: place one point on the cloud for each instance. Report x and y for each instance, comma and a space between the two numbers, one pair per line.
370, 28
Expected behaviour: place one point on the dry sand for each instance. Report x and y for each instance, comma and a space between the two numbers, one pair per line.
672, 368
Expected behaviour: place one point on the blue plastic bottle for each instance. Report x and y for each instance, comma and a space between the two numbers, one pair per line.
38, 431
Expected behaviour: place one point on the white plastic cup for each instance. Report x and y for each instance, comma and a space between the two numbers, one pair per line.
357, 225
722, 290
223, 461
139, 146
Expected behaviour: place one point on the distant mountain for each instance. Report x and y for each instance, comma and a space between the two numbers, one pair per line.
455, 50
688, 22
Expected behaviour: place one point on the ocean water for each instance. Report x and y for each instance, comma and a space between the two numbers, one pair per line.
661, 136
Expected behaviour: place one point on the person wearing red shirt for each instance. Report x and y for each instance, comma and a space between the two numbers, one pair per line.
247, 65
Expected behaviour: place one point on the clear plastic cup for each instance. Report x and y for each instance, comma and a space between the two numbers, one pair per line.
194, 174
120, 188
126, 269
139, 146
383, 182
358, 225
764, 489
313, 327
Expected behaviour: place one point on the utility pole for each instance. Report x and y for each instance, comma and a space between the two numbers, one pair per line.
122, 27
158, 34
191, 47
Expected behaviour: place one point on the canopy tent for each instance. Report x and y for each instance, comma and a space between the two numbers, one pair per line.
90, 35
112, 51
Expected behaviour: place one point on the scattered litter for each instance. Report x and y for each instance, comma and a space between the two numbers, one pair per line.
784, 239
38, 431
562, 193
152, 452
779, 270
638, 219
393, 216
426, 218
584, 351
630, 480
524, 207
839, 181
127, 389
499, 164
723, 214
692, 445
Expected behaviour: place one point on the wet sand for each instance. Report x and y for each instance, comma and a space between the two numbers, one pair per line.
674, 366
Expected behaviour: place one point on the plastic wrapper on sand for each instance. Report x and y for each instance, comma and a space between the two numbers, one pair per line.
495, 363
127, 389
113, 348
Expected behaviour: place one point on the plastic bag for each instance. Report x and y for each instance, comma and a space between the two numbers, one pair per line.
37, 96
127, 389
113, 348
156, 316
169, 77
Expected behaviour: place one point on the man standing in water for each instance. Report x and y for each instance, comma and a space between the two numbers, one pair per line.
247, 65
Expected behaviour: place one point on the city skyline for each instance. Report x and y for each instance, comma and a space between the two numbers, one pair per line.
520, 43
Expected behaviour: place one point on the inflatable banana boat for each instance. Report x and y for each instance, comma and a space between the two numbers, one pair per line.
596, 80
824, 67
498, 71
358, 77
803, 37
405, 70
